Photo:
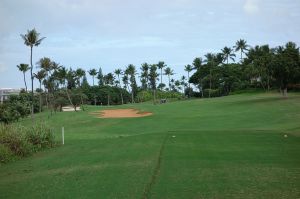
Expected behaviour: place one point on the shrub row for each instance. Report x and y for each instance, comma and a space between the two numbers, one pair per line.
17, 141
144, 96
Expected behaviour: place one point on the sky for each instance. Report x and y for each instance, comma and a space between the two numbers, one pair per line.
114, 33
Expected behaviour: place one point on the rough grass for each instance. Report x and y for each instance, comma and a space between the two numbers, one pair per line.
230, 147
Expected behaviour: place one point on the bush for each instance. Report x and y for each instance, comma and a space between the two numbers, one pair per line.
40, 136
101, 95
144, 96
213, 93
16, 107
14, 138
5, 154
19, 141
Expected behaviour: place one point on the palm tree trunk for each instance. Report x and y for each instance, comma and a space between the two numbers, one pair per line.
69, 98
93, 79
81, 99
161, 78
31, 84
154, 97
40, 96
169, 83
285, 91
189, 84
209, 83
241, 55
132, 101
25, 82
121, 90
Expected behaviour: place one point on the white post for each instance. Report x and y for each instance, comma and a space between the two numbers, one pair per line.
63, 135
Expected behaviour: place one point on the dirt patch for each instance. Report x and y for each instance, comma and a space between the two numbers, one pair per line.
121, 113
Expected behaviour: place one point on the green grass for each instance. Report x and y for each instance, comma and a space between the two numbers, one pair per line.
230, 147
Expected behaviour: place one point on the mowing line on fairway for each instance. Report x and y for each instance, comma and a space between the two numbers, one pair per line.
156, 170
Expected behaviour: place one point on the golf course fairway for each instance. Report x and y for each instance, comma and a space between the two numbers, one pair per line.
239, 146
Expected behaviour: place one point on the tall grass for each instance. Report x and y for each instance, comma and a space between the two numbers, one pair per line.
17, 141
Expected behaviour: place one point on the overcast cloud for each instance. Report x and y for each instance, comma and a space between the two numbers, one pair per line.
115, 33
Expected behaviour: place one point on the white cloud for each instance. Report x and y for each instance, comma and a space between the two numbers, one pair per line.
251, 6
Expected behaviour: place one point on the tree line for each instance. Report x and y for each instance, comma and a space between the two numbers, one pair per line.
216, 74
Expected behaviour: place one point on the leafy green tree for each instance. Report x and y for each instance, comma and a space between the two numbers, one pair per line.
31, 39
227, 54
260, 58
23, 68
93, 73
241, 45
286, 66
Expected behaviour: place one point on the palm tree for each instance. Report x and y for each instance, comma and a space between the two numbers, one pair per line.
80, 73
109, 79
130, 70
169, 72
242, 46
100, 77
125, 81
45, 63
183, 83
40, 75
152, 79
160, 66
32, 39
145, 75
24, 68
210, 61
188, 68
227, 54
118, 72
197, 63
178, 85
64, 74
93, 73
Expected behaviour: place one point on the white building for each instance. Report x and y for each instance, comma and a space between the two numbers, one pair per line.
5, 92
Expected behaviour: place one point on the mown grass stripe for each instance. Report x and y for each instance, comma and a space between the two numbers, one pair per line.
155, 174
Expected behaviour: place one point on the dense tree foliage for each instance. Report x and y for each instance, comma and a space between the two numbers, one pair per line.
263, 67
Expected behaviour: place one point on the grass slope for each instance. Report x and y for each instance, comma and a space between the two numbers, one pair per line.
230, 147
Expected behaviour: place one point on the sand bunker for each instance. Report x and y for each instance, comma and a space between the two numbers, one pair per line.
121, 113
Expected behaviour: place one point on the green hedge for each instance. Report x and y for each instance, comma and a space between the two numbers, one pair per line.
144, 96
